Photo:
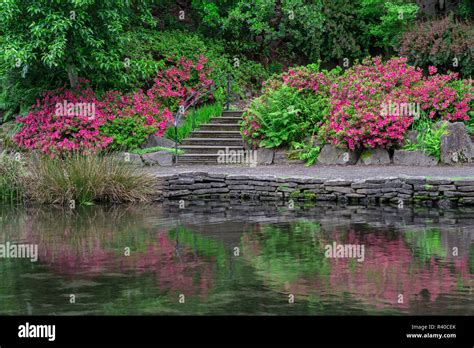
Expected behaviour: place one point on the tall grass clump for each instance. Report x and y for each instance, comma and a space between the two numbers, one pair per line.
201, 115
86, 179
12, 178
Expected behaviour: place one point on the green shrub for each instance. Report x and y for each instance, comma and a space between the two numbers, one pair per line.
445, 43
128, 132
305, 151
282, 116
385, 21
87, 179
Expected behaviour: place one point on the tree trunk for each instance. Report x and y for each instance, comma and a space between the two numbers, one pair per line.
72, 75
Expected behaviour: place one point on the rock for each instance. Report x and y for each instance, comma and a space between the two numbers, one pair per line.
280, 158
456, 145
130, 158
412, 137
265, 156
413, 158
331, 155
314, 141
374, 157
154, 141
161, 158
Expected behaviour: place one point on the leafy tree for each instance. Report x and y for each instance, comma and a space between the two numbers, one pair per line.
60, 40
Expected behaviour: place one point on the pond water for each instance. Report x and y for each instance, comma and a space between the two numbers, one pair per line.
235, 258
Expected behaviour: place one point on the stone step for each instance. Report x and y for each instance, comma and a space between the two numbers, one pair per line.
208, 149
199, 159
233, 113
226, 120
223, 142
219, 127
215, 134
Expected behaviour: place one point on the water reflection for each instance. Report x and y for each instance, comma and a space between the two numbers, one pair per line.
224, 257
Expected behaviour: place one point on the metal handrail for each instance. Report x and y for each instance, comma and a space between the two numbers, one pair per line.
195, 97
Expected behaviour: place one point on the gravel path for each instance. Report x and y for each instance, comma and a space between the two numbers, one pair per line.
323, 172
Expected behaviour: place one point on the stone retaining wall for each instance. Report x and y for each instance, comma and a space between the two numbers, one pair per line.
397, 190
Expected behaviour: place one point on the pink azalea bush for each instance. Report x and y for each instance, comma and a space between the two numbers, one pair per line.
118, 121
53, 129
307, 79
356, 116
444, 97
174, 85
132, 118
359, 114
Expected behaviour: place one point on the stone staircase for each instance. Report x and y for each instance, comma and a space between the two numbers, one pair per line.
203, 144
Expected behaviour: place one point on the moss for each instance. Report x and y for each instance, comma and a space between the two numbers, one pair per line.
295, 194
309, 196
366, 155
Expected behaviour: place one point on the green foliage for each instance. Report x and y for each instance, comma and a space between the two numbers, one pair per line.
128, 132
305, 151
44, 44
427, 244
278, 251
387, 20
265, 26
283, 116
342, 32
429, 140
148, 49
200, 116
156, 149
87, 179
470, 123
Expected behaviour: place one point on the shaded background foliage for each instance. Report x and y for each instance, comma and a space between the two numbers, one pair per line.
121, 44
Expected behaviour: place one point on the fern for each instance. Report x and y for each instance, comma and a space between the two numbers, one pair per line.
429, 141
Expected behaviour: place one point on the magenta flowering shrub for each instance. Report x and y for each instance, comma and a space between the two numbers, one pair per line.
64, 120
132, 118
304, 79
373, 104
356, 116
444, 96
173, 86
76, 120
